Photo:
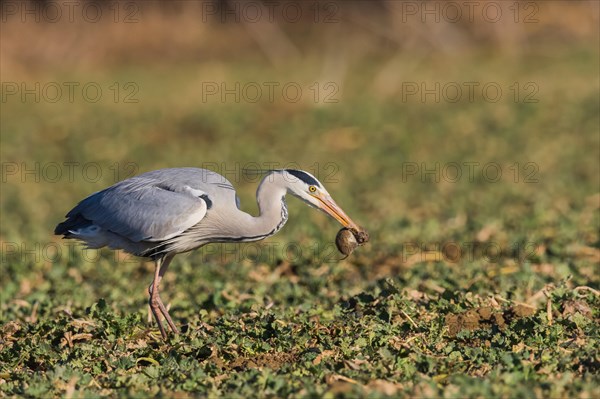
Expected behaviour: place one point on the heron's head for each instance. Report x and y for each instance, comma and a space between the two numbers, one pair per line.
305, 186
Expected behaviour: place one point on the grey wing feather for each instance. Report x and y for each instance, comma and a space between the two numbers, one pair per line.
154, 206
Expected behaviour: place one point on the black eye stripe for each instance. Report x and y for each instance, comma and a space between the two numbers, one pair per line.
304, 177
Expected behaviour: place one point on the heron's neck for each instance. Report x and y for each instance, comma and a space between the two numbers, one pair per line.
270, 196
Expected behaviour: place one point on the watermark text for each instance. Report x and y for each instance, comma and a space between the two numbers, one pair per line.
470, 171
69, 92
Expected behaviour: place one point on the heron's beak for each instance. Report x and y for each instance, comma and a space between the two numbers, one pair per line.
328, 205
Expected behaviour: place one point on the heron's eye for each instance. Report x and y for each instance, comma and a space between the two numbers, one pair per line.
312, 189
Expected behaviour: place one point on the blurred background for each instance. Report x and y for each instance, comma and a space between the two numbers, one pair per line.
429, 122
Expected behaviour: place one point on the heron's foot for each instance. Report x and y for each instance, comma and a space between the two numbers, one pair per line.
165, 313
158, 309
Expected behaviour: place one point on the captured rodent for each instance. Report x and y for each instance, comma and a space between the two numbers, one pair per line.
347, 240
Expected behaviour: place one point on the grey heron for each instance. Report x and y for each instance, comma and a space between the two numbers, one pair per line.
164, 212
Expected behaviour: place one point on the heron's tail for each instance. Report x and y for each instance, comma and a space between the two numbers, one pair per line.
73, 223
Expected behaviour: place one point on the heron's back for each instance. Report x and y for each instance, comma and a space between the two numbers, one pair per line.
143, 212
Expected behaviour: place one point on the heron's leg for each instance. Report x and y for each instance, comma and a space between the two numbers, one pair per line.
155, 298
155, 302
163, 309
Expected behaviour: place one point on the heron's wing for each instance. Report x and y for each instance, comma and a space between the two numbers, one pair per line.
143, 209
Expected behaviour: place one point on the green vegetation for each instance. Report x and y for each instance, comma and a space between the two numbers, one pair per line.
482, 285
